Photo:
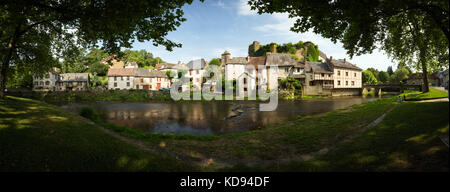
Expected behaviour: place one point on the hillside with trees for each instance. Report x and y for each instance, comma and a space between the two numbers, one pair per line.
298, 51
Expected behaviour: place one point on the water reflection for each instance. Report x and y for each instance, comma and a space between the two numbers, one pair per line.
219, 117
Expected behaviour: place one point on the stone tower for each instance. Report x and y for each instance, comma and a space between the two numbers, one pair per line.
225, 58
253, 48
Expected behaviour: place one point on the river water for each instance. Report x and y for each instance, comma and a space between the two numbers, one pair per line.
210, 118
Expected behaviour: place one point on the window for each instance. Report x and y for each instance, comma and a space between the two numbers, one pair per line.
346, 73
298, 70
346, 82
121, 78
311, 83
115, 78
339, 82
353, 83
115, 84
47, 83
198, 72
323, 75
329, 75
41, 83
190, 72
355, 74
128, 77
339, 73
286, 70
128, 84
142, 80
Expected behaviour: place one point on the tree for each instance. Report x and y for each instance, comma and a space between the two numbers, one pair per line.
368, 78
390, 71
399, 75
214, 61
35, 31
383, 77
375, 72
361, 25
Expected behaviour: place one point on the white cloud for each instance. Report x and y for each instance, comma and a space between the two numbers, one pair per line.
220, 4
244, 8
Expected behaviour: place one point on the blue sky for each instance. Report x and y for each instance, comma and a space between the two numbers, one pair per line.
218, 25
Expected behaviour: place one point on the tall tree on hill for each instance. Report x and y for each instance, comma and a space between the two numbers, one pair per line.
404, 28
33, 32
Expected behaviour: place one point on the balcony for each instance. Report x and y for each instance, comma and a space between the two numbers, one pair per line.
327, 86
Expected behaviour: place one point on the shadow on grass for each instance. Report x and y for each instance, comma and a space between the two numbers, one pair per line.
35, 136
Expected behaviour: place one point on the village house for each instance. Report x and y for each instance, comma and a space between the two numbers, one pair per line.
48, 82
73, 82
347, 77
136, 78
195, 73
53, 81
318, 79
417, 79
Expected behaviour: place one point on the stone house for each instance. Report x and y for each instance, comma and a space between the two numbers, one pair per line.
417, 79
73, 82
347, 77
48, 82
53, 81
318, 79
136, 78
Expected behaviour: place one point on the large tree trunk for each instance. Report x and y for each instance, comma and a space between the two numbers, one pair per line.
5, 63
425, 87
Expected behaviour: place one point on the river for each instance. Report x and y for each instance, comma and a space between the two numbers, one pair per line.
209, 118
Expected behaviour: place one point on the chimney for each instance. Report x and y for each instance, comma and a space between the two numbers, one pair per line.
331, 63
225, 58
344, 60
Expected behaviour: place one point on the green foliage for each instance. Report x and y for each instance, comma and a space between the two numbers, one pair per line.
368, 77
89, 113
312, 53
390, 71
38, 31
214, 61
399, 75
142, 58
383, 77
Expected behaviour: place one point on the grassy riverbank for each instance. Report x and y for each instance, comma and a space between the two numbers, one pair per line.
406, 140
412, 95
287, 140
35, 136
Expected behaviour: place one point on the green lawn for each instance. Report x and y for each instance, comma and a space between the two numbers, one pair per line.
416, 95
406, 140
35, 136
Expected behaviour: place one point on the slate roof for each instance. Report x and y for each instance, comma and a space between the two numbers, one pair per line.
238, 60
165, 66
196, 64
341, 64
318, 67
74, 77
280, 59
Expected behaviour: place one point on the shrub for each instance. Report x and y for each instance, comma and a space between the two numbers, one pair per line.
89, 113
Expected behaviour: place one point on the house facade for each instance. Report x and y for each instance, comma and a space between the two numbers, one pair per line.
73, 82
136, 78
48, 82
53, 81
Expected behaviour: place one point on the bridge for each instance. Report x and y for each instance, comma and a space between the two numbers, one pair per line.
401, 87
